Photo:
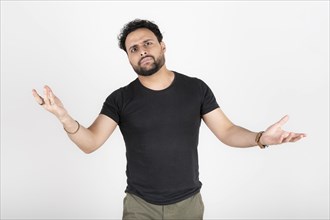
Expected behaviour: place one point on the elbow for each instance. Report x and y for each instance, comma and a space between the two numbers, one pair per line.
228, 143
88, 145
89, 149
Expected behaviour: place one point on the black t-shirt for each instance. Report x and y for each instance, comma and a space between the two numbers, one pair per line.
160, 130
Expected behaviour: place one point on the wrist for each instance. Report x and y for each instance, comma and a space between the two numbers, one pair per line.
71, 130
65, 119
70, 125
258, 140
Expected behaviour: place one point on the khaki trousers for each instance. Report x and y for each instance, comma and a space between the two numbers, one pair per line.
138, 209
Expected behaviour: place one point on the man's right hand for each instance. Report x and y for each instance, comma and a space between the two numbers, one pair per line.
51, 103
87, 139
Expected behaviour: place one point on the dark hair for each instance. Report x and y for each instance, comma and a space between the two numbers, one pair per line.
134, 25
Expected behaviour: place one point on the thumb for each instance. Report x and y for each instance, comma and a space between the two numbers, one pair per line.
282, 121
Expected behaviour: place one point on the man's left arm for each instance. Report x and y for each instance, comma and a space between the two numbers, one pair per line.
236, 136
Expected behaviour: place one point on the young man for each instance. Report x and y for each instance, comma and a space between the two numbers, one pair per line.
159, 115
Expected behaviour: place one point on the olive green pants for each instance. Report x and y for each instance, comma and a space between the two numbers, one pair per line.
138, 209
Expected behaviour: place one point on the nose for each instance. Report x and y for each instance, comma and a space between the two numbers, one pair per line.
143, 53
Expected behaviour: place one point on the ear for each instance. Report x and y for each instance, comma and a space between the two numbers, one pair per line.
163, 46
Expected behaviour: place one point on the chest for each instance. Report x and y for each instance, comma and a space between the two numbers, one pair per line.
147, 112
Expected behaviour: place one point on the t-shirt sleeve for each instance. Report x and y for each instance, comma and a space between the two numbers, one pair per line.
209, 102
112, 106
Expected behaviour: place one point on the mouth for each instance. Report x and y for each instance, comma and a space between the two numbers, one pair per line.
145, 60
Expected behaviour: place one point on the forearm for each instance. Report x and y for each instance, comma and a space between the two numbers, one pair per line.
237, 136
80, 135
87, 139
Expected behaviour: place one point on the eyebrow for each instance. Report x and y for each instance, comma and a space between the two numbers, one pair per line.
143, 42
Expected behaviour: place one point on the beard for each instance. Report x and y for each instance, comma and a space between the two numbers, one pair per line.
151, 68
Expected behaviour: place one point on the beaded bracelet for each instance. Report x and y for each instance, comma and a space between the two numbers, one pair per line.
262, 146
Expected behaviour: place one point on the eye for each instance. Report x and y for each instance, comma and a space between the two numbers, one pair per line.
133, 50
148, 43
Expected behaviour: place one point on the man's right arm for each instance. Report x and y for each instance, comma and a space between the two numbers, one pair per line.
87, 139
91, 138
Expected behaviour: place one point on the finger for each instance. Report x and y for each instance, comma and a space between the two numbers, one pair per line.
46, 99
50, 95
51, 98
283, 120
289, 138
298, 137
293, 137
35, 93
284, 136
48, 88
37, 97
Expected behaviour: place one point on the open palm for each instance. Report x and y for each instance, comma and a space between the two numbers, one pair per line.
50, 102
276, 135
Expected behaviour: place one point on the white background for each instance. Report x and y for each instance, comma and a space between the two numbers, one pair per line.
262, 59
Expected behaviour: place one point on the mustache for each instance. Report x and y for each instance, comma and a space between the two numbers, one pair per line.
146, 57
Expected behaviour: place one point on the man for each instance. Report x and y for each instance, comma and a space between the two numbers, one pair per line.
159, 115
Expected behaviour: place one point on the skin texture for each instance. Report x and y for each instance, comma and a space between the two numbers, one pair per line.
147, 58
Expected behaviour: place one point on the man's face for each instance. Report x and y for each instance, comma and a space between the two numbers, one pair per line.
145, 53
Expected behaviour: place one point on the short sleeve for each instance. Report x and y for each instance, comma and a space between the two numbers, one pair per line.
209, 102
112, 106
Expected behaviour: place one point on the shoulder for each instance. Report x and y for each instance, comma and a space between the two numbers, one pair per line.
122, 92
191, 80
186, 78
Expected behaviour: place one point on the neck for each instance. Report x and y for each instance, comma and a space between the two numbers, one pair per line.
159, 80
